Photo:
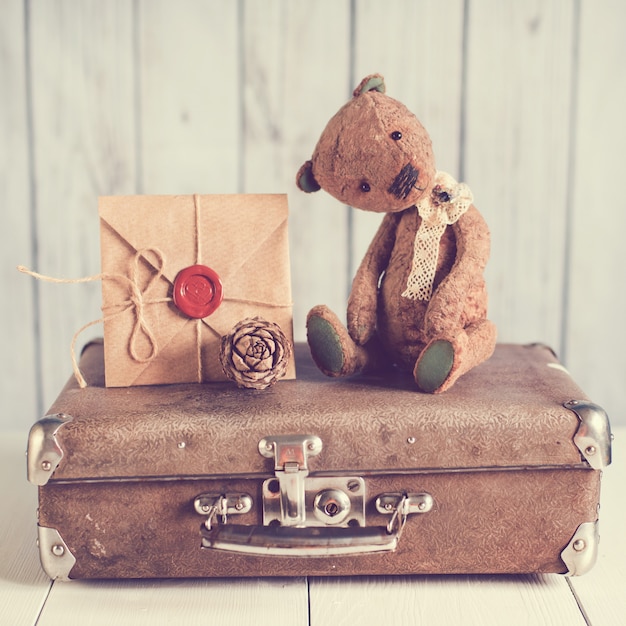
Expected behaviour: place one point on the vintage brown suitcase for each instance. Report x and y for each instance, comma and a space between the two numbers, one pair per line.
317, 476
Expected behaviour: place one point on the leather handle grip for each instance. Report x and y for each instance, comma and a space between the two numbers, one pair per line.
300, 542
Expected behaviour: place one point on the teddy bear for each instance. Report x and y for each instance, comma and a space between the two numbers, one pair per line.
418, 300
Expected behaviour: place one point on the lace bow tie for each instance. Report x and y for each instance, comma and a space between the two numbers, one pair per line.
446, 203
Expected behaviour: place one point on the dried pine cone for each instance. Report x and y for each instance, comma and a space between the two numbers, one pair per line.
255, 354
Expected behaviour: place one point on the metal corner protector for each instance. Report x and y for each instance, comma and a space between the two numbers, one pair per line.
593, 437
56, 559
44, 452
581, 552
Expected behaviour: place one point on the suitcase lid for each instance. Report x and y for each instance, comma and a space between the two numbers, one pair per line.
518, 409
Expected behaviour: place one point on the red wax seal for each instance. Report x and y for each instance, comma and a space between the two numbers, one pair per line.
197, 291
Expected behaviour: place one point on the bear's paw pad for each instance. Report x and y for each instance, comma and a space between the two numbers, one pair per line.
325, 344
434, 365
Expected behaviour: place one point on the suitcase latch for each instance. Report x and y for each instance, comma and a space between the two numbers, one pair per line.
220, 506
291, 454
307, 516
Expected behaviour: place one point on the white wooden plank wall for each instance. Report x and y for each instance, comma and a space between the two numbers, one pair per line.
524, 101
19, 341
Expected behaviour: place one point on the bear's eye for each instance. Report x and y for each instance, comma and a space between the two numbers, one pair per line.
365, 186
396, 135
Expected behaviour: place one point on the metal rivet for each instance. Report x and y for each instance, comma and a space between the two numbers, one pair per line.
411, 440
579, 545
269, 446
181, 444
239, 505
58, 550
388, 506
590, 450
205, 508
46, 466
421, 506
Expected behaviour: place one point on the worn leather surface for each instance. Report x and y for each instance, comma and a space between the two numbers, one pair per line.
508, 412
482, 522
495, 452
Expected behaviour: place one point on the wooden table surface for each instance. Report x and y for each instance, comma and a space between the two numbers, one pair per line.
28, 597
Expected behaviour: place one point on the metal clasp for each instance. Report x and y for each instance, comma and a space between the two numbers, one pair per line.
400, 506
291, 454
222, 505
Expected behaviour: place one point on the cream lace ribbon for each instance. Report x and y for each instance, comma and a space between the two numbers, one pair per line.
446, 203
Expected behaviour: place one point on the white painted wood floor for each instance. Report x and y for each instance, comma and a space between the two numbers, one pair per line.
27, 597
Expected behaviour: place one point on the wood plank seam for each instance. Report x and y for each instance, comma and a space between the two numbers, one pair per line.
571, 174
33, 213
578, 601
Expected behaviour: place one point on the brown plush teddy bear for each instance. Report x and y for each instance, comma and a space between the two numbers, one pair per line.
418, 299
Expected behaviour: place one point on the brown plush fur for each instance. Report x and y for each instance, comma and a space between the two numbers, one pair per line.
357, 160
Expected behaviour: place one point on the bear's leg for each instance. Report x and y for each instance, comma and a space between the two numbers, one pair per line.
443, 360
332, 348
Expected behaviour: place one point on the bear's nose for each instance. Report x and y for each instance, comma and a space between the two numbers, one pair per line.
404, 182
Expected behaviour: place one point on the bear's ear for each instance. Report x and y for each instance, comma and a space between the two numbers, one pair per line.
305, 179
373, 82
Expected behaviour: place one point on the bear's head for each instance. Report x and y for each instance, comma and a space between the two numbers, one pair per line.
373, 154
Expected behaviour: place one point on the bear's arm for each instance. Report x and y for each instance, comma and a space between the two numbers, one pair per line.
363, 299
472, 254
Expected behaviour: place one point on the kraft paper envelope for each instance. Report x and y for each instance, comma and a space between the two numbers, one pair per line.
147, 240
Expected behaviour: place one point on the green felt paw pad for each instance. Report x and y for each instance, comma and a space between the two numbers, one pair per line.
434, 365
325, 344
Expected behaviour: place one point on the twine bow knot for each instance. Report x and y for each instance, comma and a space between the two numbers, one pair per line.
137, 302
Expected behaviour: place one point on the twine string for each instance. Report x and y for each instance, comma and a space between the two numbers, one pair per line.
199, 376
136, 302
196, 204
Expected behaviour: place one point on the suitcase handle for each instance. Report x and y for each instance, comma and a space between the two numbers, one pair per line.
311, 541
302, 542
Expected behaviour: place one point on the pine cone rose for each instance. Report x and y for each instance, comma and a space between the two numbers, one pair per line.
255, 354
